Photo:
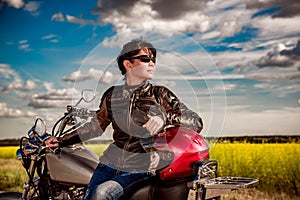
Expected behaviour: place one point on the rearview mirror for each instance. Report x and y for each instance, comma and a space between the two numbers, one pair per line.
39, 128
87, 95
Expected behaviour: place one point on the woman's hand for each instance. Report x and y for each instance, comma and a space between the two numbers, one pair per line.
52, 142
154, 124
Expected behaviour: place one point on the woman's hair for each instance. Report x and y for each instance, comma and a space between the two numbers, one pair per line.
131, 49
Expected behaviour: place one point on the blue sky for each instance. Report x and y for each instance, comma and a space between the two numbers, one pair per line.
234, 62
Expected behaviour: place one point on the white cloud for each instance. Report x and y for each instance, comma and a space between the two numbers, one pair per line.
7, 72
53, 38
53, 99
266, 30
92, 74
154, 14
15, 3
5, 111
276, 27
236, 58
50, 36
18, 85
72, 19
32, 7
42, 103
15, 81
48, 86
280, 63
289, 8
227, 18
30, 85
282, 90
209, 19
24, 45
275, 76
58, 17
210, 35
213, 19
77, 20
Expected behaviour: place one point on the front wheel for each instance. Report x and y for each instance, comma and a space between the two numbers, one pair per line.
10, 195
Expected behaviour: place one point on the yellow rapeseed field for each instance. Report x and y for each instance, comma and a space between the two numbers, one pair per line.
277, 166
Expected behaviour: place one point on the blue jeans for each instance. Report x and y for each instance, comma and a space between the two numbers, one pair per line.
109, 183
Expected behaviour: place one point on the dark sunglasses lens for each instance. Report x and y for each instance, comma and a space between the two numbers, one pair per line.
147, 59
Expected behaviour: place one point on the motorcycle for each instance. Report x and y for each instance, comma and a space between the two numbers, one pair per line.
186, 172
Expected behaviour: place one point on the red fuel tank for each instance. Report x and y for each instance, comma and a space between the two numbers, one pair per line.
188, 147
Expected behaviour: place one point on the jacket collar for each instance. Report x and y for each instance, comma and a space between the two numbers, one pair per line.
138, 88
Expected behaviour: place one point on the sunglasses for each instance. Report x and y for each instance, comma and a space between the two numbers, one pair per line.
145, 58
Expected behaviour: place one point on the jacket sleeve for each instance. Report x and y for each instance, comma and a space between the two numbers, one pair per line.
91, 129
177, 113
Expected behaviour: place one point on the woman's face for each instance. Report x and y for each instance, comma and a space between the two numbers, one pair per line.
140, 70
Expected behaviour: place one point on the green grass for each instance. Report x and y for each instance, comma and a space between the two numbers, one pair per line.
277, 166
12, 175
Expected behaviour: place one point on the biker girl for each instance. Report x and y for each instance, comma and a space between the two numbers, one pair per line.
137, 110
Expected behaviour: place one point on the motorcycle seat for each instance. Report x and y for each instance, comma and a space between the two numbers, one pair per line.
155, 188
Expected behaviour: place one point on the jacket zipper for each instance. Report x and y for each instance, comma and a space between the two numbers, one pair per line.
125, 147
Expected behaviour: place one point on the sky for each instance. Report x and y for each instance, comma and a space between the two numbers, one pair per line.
235, 62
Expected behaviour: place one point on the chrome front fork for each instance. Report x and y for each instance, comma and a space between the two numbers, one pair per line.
30, 182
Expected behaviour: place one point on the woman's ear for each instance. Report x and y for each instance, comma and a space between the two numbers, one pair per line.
127, 64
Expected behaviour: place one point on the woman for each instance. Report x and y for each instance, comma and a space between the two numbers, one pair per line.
137, 111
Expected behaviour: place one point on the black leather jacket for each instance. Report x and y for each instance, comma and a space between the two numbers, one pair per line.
127, 109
